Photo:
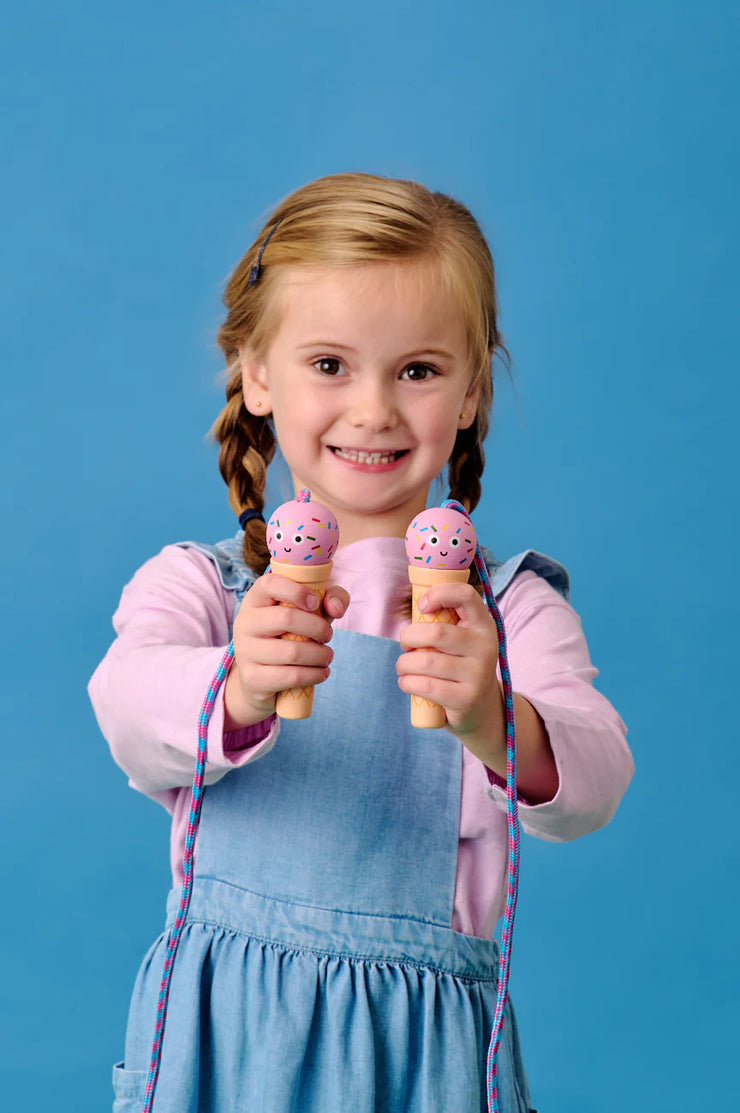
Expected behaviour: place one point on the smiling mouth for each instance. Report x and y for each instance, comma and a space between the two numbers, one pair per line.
360, 456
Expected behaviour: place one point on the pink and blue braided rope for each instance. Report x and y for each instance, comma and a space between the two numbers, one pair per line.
196, 800
512, 813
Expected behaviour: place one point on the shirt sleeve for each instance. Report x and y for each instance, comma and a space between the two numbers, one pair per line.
550, 666
172, 627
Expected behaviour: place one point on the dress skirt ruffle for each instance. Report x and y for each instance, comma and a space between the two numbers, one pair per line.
285, 1008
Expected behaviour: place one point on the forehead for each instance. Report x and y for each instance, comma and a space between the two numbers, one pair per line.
409, 300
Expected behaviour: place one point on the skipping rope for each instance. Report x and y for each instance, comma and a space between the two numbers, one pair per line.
512, 813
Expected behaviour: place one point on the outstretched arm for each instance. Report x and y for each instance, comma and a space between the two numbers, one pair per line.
461, 676
552, 676
172, 627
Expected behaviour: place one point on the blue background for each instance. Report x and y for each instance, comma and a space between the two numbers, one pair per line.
596, 142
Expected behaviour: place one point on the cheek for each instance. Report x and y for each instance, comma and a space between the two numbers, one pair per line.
442, 413
440, 431
291, 433
297, 416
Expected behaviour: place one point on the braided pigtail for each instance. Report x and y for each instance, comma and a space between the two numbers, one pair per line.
468, 458
466, 464
247, 447
464, 472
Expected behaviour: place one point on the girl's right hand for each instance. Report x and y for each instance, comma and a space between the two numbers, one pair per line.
264, 662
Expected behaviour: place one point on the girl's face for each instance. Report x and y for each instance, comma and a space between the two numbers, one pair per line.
366, 378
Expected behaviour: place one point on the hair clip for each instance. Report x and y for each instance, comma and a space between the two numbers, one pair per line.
255, 269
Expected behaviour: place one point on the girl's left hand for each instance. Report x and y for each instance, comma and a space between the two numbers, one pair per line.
461, 674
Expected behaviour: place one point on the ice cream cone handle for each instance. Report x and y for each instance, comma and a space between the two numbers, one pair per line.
297, 703
302, 536
440, 545
424, 713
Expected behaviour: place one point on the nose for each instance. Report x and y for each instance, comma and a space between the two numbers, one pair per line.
373, 407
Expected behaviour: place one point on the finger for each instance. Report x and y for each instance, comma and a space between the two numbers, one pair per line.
462, 598
336, 602
447, 693
275, 621
273, 588
477, 643
433, 635
442, 666
269, 680
285, 652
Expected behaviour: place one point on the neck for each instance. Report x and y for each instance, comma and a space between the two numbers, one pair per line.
360, 527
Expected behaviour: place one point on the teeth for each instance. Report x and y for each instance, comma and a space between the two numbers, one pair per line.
360, 457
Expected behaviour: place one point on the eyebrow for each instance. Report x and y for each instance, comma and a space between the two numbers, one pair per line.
417, 353
326, 344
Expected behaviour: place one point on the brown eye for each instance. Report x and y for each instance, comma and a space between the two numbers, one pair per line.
328, 365
418, 372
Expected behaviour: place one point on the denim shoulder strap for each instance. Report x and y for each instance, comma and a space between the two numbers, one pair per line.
229, 560
502, 572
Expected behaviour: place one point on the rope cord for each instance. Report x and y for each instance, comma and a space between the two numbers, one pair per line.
512, 814
196, 800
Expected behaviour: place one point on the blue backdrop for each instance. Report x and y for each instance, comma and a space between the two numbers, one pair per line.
142, 144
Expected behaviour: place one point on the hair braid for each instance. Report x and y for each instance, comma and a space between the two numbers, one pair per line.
464, 473
247, 447
468, 458
466, 467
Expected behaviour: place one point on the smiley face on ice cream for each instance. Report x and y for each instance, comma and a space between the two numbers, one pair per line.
441, 538
302, 532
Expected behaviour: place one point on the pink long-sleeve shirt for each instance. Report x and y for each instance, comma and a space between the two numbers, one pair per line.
172, 627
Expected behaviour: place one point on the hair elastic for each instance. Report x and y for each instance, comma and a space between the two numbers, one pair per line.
248, 515
255, 271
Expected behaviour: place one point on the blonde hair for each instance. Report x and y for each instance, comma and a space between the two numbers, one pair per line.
346, 220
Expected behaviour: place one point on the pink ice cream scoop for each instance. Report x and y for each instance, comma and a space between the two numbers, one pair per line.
302, 532
441, 538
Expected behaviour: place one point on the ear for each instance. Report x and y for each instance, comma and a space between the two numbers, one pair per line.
254, 383
469, 407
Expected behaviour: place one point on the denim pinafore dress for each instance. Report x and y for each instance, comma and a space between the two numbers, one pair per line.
317, 971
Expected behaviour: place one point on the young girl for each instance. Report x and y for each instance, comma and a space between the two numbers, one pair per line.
350, 869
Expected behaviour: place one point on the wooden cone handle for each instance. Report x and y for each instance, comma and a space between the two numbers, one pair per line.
297, 703
424, 713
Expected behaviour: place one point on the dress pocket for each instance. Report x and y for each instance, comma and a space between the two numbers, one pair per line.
129, 1088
